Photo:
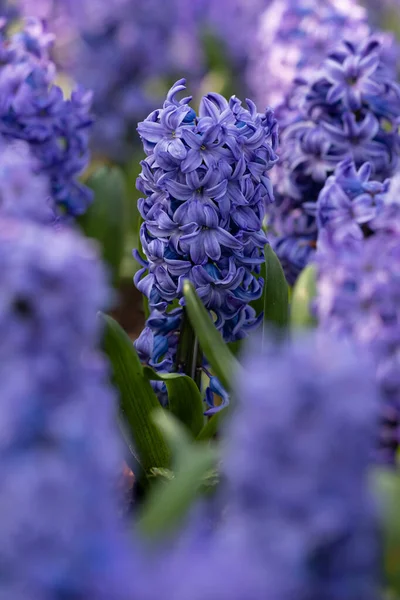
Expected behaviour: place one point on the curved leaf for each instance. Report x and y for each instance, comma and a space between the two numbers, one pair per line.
137, 399
184, 398
276, 292
170, 498
223, 363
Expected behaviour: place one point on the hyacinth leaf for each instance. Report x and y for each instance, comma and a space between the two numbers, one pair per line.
105, 219
211, 428
137, 398
223, 363
171, 497
184, 398
258, 304
303, 294
276, 294
387, 485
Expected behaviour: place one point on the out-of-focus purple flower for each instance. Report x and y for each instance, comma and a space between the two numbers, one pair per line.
34, 110
59, 449
292, 37
298, 519
23, 193
205, 184
359, 298
127, 52
349, 108
236, 23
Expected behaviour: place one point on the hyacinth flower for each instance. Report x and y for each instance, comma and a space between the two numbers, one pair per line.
34, 110
298, 519
60, 452
205, 185
359, 298
291, 38
350, 108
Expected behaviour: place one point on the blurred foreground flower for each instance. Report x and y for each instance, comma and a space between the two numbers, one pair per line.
59, 448
298, 519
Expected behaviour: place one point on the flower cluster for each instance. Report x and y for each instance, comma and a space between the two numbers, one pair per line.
34, 110
359, 298
205, 187
351, 107
292, 37
298, 518
59, 449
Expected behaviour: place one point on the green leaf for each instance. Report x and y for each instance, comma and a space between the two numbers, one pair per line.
276, 293
105, 219
387, 485
303, 294
137, 399
184, 398
223, 363
258, 304
211, 428
170, 498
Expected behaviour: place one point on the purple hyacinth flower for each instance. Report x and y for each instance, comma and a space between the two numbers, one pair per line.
34, 109
203, 208
336, 115
60, 452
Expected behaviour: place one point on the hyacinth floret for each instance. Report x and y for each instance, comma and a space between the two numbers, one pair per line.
205, 187
60, 451
350, 108
34, 110
350, 204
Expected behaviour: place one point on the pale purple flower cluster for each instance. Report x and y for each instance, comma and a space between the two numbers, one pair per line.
59, 449
292, 37
33, 109
297, 519
350, 108
205, 184
359, 298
